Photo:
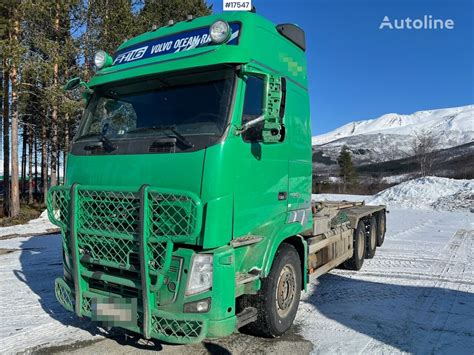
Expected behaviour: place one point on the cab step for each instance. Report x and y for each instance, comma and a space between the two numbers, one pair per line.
243, 278
248, 315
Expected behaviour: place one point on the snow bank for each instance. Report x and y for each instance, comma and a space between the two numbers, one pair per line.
340, 197
396, 179
462, 200
429, 193
39, 225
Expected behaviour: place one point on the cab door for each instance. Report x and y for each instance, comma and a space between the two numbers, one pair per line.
261, 171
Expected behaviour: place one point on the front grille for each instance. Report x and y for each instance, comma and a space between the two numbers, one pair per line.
113, 288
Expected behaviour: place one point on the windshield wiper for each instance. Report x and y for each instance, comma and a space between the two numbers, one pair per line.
106, 142
176, 134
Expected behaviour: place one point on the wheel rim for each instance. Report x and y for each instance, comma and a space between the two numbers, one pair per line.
286, 290
360, 245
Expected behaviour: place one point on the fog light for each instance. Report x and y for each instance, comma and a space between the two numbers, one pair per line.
201, 306
219, 31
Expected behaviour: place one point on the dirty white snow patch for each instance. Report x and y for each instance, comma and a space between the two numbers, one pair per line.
428, 193
39, 225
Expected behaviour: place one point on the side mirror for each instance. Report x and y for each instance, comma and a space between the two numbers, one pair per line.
272, 102
272, 99
72, 84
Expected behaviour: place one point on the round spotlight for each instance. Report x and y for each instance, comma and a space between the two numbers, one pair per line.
101, 59
219, 31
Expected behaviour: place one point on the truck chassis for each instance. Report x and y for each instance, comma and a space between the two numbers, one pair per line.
343, 235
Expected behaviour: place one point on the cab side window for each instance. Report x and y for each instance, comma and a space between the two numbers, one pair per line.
253, 108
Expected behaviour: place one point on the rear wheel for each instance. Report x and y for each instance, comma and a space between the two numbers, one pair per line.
381, 227
371, 243
355, 263
278, 298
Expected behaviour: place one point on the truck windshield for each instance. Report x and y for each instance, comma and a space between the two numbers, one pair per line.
191, 104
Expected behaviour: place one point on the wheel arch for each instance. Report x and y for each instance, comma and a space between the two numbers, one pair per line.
299, 243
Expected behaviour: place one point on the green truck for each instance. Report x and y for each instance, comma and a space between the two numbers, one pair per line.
187, 212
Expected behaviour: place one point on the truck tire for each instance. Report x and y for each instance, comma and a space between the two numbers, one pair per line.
381, 227
278, 299
371, 238
355, 263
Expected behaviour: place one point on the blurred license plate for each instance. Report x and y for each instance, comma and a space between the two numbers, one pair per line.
115, 311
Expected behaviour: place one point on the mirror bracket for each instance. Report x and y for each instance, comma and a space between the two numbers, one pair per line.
74, 83
248, 125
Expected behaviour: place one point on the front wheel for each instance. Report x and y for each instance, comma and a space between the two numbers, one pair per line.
278, 298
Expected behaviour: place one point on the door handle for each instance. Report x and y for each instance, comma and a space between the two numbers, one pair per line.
282, 195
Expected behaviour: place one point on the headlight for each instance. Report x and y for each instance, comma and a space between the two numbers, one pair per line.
200, 277
102, 59
219, 31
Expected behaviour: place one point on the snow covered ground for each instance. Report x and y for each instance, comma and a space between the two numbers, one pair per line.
415, 295
40, 225
30, 316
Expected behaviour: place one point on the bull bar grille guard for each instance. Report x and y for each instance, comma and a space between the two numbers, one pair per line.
123, 230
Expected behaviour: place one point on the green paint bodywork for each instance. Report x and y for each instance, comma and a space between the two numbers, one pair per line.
234, 184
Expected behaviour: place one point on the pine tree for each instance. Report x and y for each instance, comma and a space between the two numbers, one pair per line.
43, 44
5, 30
159, 12
347, 172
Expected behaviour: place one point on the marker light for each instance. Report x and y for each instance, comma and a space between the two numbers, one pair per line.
219, 31
102, 59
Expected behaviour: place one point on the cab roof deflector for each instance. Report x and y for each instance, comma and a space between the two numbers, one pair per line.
293, 33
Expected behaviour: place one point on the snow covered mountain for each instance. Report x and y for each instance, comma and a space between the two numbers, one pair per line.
390, 136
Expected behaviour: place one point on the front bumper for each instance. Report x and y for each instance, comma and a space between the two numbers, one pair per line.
166, 326
122, 243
